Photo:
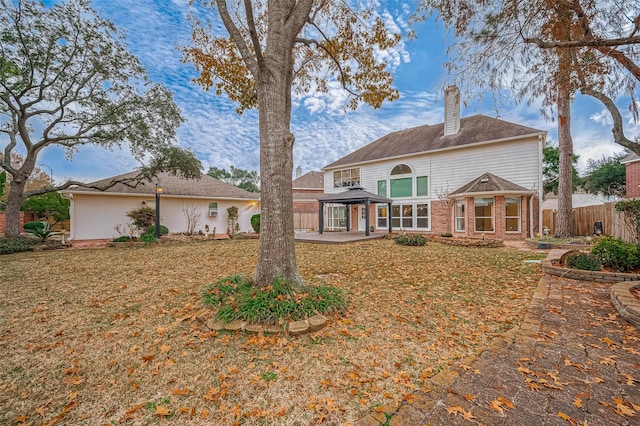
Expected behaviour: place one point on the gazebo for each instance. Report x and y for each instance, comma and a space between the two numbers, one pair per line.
354, 195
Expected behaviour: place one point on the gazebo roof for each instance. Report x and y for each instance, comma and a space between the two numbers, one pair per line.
354, 196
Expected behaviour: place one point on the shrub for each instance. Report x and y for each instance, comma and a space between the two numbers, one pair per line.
446, 234
616, 254
152, 230
585, 262
142, 218
29, 226
237, 298
16, 244
411, 239
255, 222
122, 239
149, 238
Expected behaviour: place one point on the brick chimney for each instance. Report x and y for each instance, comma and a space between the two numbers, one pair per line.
451, 110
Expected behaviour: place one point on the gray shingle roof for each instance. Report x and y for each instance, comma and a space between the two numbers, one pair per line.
311, 180
632, 157
206, 186
474, 129
488, 183
354, 195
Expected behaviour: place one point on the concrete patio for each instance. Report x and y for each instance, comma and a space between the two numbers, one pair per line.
337, 237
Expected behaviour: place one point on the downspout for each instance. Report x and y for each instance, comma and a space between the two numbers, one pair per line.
540, 189
531, 216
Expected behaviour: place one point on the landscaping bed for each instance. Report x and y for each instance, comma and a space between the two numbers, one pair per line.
467, 241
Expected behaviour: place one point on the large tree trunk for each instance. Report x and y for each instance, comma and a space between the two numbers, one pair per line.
564, 221
277, 256
12, 210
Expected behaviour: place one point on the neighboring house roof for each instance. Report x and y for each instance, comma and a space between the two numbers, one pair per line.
205, 187
631, 158
473, 130
489, 183
354, 196
311, 180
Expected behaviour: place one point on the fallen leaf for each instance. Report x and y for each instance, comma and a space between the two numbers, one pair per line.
161, 410
564, 417
497, 405
577, 402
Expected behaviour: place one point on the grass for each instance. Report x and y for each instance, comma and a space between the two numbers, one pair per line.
112, 335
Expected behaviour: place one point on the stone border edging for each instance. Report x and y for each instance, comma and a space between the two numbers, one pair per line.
627, 305
578, 274
292, 328
466, 242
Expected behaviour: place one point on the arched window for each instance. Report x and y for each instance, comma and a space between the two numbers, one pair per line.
401, 169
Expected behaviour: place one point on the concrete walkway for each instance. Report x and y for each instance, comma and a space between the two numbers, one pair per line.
574, 361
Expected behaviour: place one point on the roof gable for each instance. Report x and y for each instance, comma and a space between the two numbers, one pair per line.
206, 186
427, 138
311, 180
489, 183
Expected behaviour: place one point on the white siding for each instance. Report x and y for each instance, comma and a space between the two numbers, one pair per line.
95, 216
515, 161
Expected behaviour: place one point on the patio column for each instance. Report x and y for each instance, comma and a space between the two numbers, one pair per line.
347, 208
389, 217
321, 217
366, 216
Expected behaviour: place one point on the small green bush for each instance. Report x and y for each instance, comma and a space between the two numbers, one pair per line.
446, 234
16, 244
585, 262
411, 239
238, 298
149, 238
616, 254
152, 230
255, 223
30, 226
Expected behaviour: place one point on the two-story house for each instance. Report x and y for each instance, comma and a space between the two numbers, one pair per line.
476, 176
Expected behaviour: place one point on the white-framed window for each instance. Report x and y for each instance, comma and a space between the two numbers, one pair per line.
336, 217
483, 211
346, 178
382, 188
410, 216
460, 216
383, 216
213, 209
401, 169
512, 214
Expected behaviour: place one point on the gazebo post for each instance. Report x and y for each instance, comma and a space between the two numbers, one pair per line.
389, 217
321, 217
347, 207
366, 217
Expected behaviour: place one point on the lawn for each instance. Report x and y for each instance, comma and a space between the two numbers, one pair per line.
109, 336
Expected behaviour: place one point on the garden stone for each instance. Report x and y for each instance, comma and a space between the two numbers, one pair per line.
215, 325
235, 325
316, 322
298, 327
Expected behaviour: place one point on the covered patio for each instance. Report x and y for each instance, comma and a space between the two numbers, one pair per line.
351, 197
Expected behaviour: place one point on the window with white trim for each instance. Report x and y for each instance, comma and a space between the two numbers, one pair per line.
336, 216
213, 209
346, 178
383, 216
460, 216
512, 214
484, 219
410, 216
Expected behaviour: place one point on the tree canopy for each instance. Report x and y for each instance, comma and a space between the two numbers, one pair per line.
606, 176
551, 168
67, 79
245, 179
51, 204
272, 49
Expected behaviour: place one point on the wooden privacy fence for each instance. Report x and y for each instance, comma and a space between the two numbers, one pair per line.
584, 219
303, 221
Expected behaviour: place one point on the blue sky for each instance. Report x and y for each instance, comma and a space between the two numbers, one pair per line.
324, 132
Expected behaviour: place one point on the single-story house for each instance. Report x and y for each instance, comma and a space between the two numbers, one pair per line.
99, 214
632, 169
473, 177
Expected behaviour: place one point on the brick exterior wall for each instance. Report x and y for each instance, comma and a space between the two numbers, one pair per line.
310, 206
439, 219
633, 179
24, 217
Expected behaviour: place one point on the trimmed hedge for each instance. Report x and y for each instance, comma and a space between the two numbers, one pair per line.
152, 230
16, 244
255, 223
582, 261
411, 239
616, 254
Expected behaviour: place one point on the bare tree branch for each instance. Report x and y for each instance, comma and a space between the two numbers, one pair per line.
236, 36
